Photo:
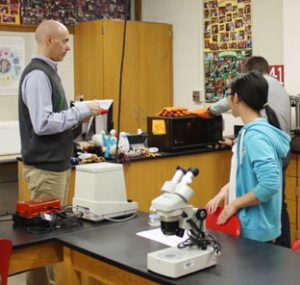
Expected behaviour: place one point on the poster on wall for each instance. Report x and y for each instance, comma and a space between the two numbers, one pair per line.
10, 12
227, 37
33, 11
71, 12
221, 67
11, 64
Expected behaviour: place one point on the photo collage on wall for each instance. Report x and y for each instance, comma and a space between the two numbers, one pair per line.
10, 12
71, 12
227, 43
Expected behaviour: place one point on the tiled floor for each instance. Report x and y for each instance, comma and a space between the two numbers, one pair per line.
19, 279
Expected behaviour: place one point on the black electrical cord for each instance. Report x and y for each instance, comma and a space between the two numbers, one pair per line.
202, 241
60, 219
121, 75
199, 237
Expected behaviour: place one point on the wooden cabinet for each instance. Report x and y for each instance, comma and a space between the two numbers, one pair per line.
147, 70
292, 194
144, 178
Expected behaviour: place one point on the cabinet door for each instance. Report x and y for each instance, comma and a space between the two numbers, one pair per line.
155, 69
88, 60
147, 70
113, 44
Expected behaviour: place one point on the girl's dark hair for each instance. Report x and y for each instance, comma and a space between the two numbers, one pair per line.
252, 88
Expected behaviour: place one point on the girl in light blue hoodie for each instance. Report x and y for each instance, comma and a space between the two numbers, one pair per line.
261, 146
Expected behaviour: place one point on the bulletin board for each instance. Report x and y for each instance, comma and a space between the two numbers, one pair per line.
70, 12
10, 12
227, 33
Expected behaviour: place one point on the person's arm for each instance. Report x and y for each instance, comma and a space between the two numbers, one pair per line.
217, 108
244, 201
36, 94
223, 194
266, 171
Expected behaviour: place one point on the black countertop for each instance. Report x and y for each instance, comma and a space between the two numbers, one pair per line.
189, 151
242, 261
21, 237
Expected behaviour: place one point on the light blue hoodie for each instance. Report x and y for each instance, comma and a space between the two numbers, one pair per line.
260, 149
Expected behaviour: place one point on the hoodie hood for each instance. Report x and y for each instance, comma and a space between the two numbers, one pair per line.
279, 139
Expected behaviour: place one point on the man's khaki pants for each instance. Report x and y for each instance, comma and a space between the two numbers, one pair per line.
45, 185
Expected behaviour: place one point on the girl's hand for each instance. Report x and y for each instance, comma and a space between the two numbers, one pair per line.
227, 213
213, 204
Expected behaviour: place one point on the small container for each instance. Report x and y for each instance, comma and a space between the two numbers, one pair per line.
154, 218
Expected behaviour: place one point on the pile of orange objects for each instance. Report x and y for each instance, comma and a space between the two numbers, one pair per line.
182, 111
174, 112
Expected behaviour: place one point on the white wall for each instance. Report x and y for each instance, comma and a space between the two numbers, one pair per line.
186, 18
275, 26
291, 45
9, 103
187, 58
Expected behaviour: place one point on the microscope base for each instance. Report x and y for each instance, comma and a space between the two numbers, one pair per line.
174, 262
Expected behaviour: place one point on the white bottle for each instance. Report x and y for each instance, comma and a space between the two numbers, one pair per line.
154, 219
124, 145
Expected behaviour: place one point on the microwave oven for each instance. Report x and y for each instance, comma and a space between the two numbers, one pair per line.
175, 133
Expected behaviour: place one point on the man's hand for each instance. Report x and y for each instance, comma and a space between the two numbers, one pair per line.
94, 106
202, 113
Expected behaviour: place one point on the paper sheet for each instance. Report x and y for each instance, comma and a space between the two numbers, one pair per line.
157, 235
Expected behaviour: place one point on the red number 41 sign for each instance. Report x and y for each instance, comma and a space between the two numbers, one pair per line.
277, 71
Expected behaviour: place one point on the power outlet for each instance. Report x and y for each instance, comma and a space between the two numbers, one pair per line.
197, 98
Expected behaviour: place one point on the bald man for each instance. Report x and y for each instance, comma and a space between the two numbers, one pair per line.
46, 122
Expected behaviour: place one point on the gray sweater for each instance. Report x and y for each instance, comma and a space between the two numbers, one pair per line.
278, 99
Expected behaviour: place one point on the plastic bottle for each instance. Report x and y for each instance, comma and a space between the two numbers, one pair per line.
154, 219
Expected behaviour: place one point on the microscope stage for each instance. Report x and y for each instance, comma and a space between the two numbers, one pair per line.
175, 262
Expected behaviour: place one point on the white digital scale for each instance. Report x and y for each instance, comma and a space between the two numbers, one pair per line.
175, 262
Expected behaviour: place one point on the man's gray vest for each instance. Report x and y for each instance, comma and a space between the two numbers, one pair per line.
48, 152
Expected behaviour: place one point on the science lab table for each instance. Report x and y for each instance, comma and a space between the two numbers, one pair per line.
112, 253
33, 250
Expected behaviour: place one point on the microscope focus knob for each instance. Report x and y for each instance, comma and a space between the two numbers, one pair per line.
201, 214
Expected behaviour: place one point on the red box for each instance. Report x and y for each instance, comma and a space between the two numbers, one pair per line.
31, 208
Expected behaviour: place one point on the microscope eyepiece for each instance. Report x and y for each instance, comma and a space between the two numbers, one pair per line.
194, 170
181, 168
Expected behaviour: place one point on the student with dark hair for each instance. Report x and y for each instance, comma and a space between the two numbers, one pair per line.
261, 147
279, 100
